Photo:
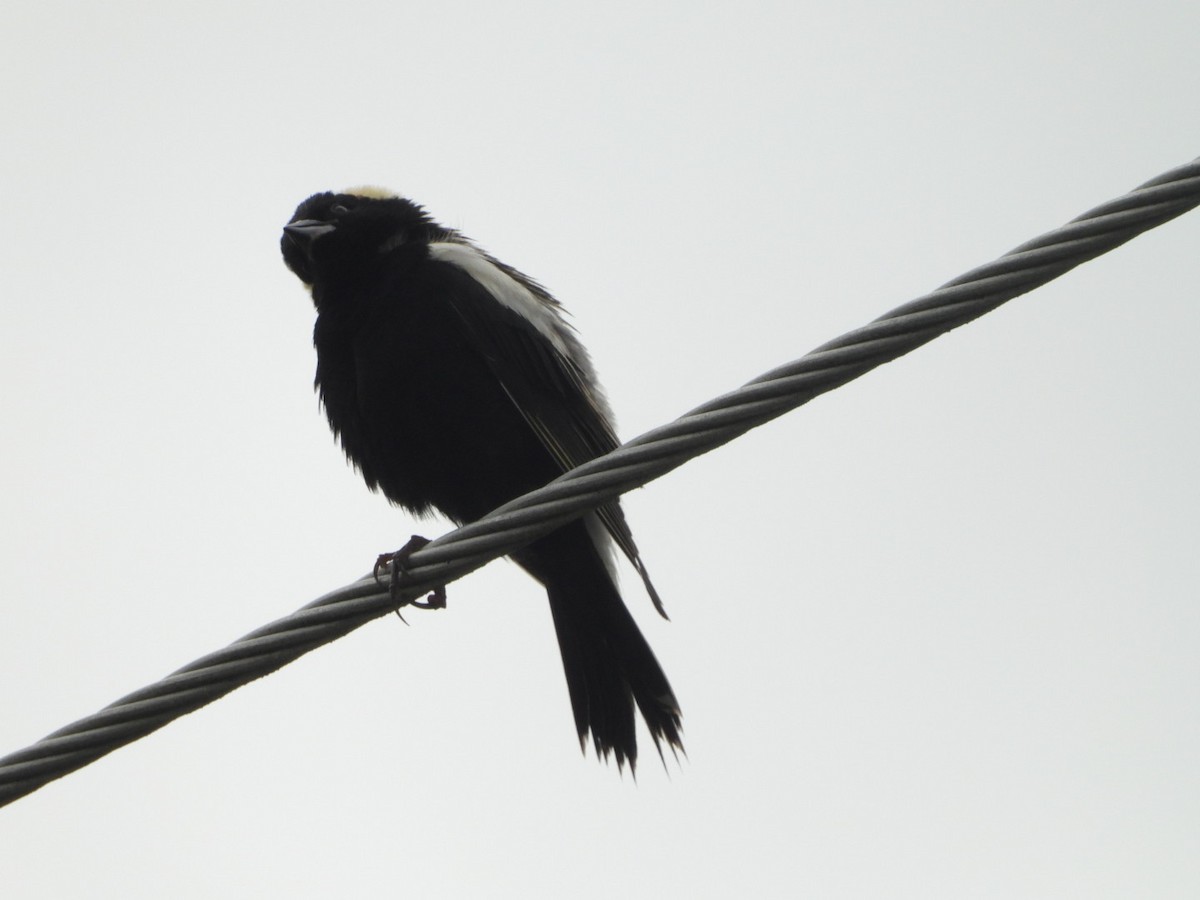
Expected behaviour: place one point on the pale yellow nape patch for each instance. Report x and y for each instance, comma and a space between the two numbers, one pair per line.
371, 192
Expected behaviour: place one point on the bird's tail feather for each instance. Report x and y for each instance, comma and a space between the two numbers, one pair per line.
609, 666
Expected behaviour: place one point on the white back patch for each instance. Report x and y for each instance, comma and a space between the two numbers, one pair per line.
604, 545
542, 312
508, 292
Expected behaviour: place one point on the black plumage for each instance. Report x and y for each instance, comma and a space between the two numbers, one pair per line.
454, 383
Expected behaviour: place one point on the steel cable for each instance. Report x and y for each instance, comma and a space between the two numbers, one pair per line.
632, 465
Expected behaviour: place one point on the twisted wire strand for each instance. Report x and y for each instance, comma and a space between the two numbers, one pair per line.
632, 465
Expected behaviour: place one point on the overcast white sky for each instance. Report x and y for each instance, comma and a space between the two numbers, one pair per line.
935, 634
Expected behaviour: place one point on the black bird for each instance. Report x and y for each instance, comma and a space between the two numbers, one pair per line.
454, 383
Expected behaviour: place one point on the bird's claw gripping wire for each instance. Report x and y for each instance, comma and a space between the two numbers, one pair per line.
395, 563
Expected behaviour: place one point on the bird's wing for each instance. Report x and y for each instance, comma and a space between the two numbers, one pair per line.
518, 329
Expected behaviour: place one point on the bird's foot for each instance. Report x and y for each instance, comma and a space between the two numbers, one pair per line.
396, 563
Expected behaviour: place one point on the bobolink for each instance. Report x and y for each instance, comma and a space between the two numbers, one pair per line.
454, 383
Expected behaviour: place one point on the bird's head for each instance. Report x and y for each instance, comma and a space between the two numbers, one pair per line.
332, 234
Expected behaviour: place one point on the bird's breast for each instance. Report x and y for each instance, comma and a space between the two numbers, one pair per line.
420, 412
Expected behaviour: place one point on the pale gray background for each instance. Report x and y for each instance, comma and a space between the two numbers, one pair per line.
935, 634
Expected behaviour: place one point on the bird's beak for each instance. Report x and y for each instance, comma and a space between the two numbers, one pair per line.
305, 231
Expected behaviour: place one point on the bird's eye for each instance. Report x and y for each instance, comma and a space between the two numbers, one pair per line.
339, 209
